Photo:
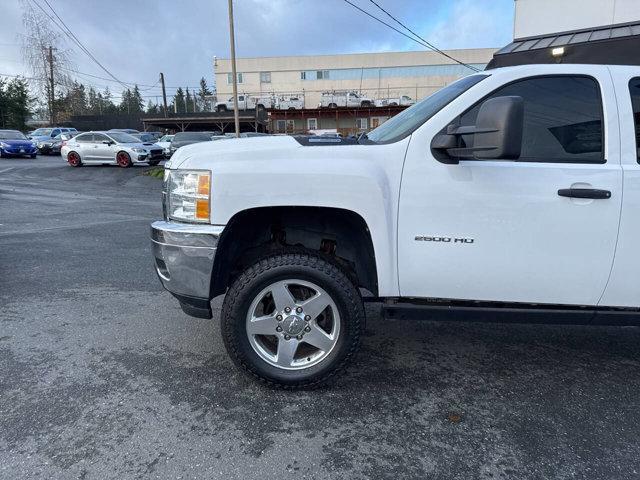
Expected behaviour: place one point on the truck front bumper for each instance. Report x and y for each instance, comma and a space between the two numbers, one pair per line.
184, 255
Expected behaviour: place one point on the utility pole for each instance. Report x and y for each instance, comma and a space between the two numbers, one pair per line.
236, 113
52, 113
164, 93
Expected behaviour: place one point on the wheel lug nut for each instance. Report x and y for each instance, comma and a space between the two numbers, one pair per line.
279, 318
307, 329
287, 337
299, 310
307, 317
278, 328
287, 309
299, 337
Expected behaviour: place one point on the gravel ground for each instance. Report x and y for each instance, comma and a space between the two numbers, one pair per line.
102, 376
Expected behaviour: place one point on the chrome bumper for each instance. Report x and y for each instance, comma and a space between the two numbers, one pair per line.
184, 255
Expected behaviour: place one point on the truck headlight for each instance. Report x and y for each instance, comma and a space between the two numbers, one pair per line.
188, 195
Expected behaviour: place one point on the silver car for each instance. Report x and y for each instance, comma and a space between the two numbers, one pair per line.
110, 148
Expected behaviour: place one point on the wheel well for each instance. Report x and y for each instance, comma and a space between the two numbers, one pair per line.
341, 235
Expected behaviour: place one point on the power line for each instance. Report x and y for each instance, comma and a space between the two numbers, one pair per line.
420, 42
67, 31
421, 38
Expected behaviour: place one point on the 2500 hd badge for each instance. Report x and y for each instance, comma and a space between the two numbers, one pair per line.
429, 238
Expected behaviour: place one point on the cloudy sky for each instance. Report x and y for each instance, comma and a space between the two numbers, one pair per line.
136, 39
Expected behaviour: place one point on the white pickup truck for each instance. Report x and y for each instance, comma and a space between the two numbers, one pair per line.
344, 99
402, 100
246, 102
514, 192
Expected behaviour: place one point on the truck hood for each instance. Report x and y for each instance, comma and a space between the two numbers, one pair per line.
203, 154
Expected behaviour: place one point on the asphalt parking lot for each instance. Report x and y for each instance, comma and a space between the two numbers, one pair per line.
102, 376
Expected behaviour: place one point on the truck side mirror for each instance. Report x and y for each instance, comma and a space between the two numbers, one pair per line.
497, 133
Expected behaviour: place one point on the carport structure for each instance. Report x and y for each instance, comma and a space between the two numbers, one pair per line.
250, 121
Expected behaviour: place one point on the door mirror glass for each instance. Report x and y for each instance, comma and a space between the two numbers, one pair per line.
498, 129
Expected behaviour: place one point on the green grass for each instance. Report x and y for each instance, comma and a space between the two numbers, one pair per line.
156, 172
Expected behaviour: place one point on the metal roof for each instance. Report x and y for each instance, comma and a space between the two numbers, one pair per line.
571, 38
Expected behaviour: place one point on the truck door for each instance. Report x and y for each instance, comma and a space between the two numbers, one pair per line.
504, 230
623, 290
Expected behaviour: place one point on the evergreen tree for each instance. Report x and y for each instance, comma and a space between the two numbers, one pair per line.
15, 103
203, 93
188, 101
153, 108
137, 104
178, 100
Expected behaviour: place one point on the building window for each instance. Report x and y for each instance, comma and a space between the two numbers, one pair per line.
230, 78
281, 126
265, 77
312, 123
362, 123
314, 75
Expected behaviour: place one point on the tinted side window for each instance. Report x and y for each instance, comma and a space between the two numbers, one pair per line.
634, 90
563, 120
97, 138
88, 137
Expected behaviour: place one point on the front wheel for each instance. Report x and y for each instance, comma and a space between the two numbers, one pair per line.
73, 158
123, 159
153, 163
292, 320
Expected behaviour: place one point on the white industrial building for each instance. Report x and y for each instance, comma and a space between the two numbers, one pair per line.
376, 75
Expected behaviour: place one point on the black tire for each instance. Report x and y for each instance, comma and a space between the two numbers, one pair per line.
306, 266
33, 155
221, 108
154, 163
365, 104
333, 105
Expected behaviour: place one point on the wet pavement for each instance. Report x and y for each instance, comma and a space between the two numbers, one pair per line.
102, 376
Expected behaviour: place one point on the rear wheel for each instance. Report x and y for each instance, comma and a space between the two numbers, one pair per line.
73, 158
153, 163
292, 320
123, 159
221, 108
33, 155
333, 105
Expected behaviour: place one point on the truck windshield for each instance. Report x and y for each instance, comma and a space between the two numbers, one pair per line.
406, 122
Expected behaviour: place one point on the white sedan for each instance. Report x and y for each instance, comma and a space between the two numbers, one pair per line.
110, 148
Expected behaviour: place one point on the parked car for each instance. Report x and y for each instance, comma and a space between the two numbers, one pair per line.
15, 143
402, 100
344, 99
43, 134
502, 192
247, 102
165, 143
156, 135
110, 148
124, 130
145, 137
181, 139
54, 145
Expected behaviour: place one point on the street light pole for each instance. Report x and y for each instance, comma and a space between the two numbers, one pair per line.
236, 115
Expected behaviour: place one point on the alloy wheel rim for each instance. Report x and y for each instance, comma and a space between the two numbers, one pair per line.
293, 324
73, 159
122, 159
